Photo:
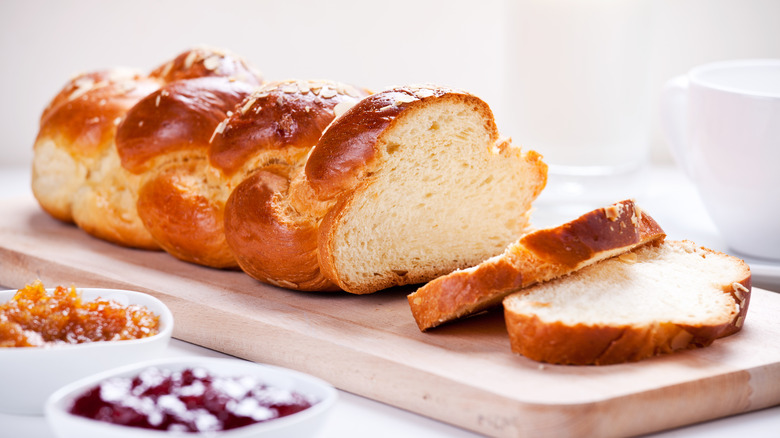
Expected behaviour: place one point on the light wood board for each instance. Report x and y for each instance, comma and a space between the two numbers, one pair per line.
463, 374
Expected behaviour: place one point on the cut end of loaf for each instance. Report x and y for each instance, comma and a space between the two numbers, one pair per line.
443, 194
654, 300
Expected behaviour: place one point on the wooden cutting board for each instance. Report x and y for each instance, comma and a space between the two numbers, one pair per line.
463, 374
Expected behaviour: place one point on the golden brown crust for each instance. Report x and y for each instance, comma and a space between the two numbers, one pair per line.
180, 116
184, 220
582, 344
535, 257
347, 150
464, 292
604, 229
283, 118
588, 344
268, 245
83, 117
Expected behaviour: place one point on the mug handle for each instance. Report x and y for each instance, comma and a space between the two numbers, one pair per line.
674, 114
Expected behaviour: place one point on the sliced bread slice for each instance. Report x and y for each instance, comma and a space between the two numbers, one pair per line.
537, 256
654, 300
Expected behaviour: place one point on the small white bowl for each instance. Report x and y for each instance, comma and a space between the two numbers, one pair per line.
31, 374
303, 423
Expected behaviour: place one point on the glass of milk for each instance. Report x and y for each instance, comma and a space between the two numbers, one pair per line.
578, 91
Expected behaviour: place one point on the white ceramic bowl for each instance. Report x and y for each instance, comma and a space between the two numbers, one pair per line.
31, 374
300, 424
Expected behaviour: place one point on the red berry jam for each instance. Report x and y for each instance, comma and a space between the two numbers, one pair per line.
191, 400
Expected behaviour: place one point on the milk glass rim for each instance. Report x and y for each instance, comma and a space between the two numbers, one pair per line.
695, 75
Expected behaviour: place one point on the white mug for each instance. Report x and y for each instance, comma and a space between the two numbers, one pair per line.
722, 122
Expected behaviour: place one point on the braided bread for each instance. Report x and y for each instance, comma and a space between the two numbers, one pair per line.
308, 185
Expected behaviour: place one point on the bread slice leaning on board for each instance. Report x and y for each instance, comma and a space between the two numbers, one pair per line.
656, 299
535, 257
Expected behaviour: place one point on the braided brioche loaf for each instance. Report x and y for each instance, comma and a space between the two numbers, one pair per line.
308, 185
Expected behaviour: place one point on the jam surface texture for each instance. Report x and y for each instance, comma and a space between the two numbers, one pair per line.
191, 400
34, 318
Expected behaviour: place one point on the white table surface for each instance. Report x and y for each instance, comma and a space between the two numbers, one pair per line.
662, 191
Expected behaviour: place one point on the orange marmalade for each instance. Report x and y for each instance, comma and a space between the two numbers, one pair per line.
33, 318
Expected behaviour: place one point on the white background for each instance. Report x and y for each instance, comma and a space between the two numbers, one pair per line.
460, 43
